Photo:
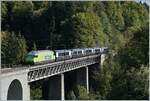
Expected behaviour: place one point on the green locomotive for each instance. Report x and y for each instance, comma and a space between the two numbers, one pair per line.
36, 57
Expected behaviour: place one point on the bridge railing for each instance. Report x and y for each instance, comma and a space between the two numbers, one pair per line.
44, 71
13, 66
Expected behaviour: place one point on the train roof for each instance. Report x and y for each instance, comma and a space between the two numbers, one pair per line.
39, 51
88, 48
97, 48
62, 50
78, 49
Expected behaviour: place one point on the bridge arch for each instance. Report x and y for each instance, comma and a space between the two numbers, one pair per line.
15, 91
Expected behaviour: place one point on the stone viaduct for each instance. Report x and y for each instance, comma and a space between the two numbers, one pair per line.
15, 82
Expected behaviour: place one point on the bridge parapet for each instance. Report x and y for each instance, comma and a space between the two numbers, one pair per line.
44, 71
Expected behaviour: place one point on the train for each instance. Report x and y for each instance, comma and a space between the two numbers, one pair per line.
48, 56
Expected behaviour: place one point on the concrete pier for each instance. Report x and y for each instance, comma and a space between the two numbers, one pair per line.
62, 87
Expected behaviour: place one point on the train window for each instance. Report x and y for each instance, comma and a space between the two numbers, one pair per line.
61, 54
67, 53
88, 51
97, 50
31, 56
75, 53
35, 56
79, 52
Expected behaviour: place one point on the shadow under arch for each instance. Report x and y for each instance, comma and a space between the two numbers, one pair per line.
15, 90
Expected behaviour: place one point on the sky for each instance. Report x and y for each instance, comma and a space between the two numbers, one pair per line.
147, 1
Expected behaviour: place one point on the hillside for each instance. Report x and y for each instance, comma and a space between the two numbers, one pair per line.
123, 26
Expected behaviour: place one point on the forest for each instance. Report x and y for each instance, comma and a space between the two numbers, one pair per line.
123, 26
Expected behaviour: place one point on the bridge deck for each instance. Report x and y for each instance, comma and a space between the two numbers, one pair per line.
46, 70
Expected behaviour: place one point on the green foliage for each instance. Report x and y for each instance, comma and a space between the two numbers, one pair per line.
120, 25
136, 53
36, 94
21, 9
34, 47
86, 30
103, 78
132, 84
136, 15
81, 93
109, 23
71, 95
4, 11
118, 83
36, 91
85, 6
21, 15
40, 5
114, 11
94, 95
125, 75
13, 48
